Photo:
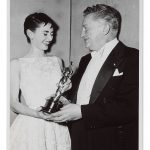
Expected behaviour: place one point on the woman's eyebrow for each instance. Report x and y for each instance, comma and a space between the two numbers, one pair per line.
47, 31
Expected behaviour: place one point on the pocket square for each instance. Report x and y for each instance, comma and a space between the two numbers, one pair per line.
116, 73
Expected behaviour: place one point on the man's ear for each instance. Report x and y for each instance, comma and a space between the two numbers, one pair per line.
106, 29
30, 34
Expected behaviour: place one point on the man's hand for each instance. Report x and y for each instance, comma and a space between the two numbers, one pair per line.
69, 112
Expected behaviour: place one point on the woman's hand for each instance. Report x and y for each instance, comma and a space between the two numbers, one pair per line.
41, 114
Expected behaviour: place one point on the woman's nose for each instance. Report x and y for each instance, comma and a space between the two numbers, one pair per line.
50, 37
82, 33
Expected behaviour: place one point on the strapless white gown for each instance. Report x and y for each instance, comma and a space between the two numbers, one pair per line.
38, 80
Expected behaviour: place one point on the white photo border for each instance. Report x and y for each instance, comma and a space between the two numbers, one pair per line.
4, 48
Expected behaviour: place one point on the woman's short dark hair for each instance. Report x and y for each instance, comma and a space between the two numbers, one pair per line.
34, 20
108, 13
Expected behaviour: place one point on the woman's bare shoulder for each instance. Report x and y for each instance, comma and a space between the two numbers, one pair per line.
14, 64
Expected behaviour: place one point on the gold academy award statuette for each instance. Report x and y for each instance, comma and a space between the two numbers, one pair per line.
53, 104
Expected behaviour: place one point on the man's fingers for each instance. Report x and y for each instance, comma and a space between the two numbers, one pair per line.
65, 107
57, 119
56, 114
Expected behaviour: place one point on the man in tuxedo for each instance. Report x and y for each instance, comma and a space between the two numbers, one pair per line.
104, 115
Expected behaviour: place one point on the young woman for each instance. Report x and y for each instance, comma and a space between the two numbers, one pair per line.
37, 76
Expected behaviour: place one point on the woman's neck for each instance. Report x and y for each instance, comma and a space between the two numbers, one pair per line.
35, 52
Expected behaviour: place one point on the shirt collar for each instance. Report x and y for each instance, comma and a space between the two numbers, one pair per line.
106, 49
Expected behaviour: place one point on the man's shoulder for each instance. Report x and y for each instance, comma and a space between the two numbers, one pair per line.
130, 51
132, 56
133, 52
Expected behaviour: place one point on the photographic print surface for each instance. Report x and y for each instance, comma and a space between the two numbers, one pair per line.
34, 77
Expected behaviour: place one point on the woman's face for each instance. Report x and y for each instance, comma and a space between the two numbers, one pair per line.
42, 36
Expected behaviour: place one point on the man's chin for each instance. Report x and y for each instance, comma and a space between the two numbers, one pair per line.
87, 46
45, 48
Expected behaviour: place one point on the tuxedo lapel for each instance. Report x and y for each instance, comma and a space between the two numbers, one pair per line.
101, 80
82, 67
107, 70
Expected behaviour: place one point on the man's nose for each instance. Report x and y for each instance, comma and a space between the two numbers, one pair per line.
82, 34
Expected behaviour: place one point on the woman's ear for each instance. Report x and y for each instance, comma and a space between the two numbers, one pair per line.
30, 34
106, 29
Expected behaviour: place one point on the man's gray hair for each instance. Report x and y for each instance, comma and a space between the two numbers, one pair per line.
108, 13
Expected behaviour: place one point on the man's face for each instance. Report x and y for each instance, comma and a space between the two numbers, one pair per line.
42, 36
92, 32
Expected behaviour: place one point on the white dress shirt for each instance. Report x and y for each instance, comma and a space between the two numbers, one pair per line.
92, 70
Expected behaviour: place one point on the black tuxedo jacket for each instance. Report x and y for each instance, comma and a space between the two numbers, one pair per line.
110, 120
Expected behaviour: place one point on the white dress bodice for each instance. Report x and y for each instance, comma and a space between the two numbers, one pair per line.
39, 78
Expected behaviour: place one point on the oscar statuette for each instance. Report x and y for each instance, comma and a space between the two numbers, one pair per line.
53, 104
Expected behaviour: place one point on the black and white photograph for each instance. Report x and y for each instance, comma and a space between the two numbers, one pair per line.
75, 75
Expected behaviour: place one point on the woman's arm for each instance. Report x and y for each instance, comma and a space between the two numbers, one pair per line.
15, 105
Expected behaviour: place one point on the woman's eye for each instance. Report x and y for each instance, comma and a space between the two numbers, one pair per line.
45, 34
